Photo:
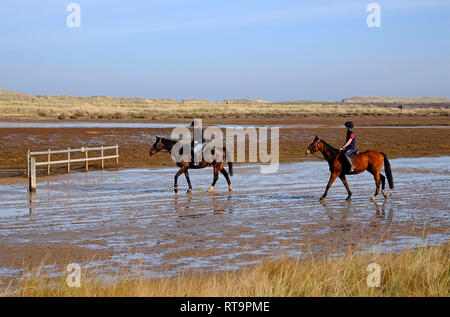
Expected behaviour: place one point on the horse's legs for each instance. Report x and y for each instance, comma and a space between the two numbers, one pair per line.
330, 182
376, 176
344, 180
216, 176
175, 184
186, 173
225, 173
383, 183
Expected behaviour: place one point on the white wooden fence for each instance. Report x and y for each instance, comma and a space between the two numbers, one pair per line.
32, 163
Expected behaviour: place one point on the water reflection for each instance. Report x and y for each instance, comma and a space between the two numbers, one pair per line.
184, 205
32, 203
342, 215
381, 212
188, 205
221, 205
344, 210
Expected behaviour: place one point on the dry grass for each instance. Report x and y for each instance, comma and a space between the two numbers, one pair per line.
423, 100
415, 272
17, 105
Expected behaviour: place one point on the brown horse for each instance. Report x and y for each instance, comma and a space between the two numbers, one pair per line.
372, 161
163, 144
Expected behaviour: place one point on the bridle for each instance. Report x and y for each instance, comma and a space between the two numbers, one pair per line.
155, 146
320, 158
314, 153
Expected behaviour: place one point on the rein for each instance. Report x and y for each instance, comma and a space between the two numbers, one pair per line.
326, 145
320, 158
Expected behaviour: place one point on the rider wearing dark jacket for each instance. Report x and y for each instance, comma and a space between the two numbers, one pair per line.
350, 145
197, 142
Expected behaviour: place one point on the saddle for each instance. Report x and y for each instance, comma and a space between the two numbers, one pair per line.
345, 161
353, 154
197, 149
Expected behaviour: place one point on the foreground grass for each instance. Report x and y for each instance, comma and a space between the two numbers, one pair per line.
416, 272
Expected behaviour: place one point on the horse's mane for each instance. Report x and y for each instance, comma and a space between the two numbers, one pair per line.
332, 149
165, 140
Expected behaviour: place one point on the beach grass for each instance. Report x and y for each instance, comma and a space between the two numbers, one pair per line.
423, 271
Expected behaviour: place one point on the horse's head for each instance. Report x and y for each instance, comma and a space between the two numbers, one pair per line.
314, 146
157, 146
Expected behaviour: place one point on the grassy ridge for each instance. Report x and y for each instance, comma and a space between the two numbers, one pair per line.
17, 105
415, 272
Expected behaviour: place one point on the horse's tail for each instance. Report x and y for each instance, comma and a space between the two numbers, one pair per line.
230, 168
387, 169
230, 164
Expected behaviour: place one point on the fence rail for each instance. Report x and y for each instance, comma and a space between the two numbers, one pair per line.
32, 164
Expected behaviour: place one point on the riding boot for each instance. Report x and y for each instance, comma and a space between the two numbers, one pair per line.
196, 159
194, 163
352, 168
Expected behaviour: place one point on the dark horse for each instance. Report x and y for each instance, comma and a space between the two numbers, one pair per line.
372, 161
163, 144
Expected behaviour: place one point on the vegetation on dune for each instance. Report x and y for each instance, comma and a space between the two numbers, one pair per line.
423, 271
17, 105
387, 100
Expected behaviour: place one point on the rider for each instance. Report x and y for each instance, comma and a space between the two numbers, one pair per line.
349, 146
196, 145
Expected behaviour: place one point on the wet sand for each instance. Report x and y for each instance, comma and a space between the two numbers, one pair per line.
131, 217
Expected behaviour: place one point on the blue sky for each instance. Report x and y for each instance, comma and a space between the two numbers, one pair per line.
221, 49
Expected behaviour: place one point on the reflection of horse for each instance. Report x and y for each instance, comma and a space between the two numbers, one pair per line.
219, 204
185, 164
372, 161
381, 213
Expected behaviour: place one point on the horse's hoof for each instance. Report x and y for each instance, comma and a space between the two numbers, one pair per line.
175, 190
210, 189
384, 194
373, 198
349, 198
189, 191
230, 188
322, 198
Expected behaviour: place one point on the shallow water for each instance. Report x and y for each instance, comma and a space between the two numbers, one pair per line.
134, 216
94, 124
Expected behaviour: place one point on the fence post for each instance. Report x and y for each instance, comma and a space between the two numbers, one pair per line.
32, 179
28, 164
87, 162
68, 161
48, 166
103, 161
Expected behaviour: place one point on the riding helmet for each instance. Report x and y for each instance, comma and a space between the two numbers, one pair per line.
349, 124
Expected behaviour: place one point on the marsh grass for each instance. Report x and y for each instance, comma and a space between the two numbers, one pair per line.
413, 272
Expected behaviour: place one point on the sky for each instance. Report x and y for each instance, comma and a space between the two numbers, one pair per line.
224, 49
